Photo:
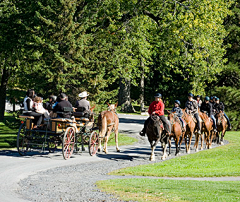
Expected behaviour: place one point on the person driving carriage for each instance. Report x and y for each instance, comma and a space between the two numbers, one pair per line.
207, 108
60, 106
156, 107
83, 105
192, 108
219, 106
179, 113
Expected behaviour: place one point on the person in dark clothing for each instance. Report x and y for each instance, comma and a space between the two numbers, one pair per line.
179, 113
207, 107
83, 105
29, 110
192, 108
157, 108
50, 103
60, 106
219, 106
199, 101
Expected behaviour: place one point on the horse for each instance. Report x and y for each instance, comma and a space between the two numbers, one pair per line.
108, 121
176, 132
190, 129
207, 129
154, 131
221, 126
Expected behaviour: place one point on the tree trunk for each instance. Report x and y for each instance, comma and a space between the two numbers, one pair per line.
142, 89
3, 91
124, 95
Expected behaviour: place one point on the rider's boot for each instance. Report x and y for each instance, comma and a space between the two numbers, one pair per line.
142, 133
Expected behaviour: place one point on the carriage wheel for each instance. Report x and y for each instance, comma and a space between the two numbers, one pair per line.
93, 143
68, 142
22, 140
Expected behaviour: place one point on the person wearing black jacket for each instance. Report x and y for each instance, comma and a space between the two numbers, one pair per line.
208, 107
60, 106
29, 110
219, 106
192, 108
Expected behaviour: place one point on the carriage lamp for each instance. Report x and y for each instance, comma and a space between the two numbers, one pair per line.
59, 125
22, 122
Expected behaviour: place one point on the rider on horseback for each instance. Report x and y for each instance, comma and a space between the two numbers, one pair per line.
179, 113
208, 107
192, 108
156, 107
219, 106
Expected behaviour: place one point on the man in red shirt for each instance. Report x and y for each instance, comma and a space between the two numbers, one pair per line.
156, 107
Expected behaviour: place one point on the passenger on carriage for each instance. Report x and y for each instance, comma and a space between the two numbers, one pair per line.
29, 110
192, 108
156, 108
219, 106
38, 107
179, 113
60, 106
50, 103
207, 108
199, 101
83, 105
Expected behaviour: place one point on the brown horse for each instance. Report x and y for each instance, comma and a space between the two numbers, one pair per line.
207, 129
155, 134
108, 121
221, 127
176, 132
190, 129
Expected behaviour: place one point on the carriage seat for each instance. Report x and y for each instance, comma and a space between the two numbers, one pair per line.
26, 116
82, 119
81, 113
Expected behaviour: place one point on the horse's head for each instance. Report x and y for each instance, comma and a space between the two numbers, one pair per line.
171, 116
219, 117
91, 117
112, 107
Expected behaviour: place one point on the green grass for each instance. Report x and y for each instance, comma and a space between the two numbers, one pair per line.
8, 136
220, 161
172, 190
122, 140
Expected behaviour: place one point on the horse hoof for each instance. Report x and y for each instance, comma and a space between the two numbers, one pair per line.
163, 158
169, 154
118, 150
188, 151
152, 159
221, 143
99, 149
196, 150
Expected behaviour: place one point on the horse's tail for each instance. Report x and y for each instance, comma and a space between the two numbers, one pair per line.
102, 124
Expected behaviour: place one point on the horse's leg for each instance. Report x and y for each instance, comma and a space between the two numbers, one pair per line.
109, 129
102, 132
116, 138
210, 139
222, 136
180, 140
169, 143
201, 141
176, 144
196, 142
164, 144
186, 144
153, 146
190, 140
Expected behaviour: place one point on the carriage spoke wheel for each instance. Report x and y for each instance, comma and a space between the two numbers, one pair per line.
22, 140
68, 142
93, 143
52, 145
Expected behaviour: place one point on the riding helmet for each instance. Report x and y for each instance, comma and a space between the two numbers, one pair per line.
190, 95
177, 101
207, 98
198, 96
211, 98
158, 95
216, 98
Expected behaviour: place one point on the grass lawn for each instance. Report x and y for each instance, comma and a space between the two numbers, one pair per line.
172, 190
220, 161
122, 140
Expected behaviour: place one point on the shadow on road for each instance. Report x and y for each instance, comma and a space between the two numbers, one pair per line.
133, 121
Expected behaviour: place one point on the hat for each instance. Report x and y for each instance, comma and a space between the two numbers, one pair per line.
217, 98
207, 98
62, 95
190, 95
158, 95
198, 96
83, 94
177, 101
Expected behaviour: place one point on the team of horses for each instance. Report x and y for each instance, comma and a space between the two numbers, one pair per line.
108, 121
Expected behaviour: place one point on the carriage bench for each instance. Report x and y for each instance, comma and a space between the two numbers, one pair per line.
29, 122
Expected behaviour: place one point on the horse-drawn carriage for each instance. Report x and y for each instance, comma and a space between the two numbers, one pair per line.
72, 133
